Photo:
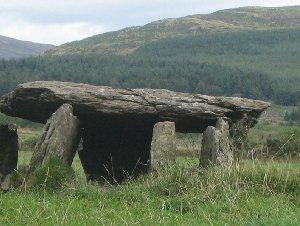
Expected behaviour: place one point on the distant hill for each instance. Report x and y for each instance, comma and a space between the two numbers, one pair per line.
248, 52
13, 48
129, 39
255, 64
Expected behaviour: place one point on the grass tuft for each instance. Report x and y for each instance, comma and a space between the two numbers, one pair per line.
52, 176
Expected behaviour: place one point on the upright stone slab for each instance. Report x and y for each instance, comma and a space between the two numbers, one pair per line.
163, 145
225, 155
36, 101
60, 138
216, 147
8, 153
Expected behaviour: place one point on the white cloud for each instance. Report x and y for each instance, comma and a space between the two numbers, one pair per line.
50, 33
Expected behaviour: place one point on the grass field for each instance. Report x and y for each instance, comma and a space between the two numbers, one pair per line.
274, 136
248, 193
259, 192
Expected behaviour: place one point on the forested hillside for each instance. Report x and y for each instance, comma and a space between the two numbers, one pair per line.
240, 19
13, 48
254, 64
249, 52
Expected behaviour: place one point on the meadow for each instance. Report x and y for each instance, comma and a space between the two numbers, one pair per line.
247, 193
262, 191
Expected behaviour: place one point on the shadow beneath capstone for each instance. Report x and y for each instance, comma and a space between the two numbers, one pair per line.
115, 151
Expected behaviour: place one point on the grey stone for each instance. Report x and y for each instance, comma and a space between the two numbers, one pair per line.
36, 101
6, 183
8, 153
163, 145
60, 138
216, 147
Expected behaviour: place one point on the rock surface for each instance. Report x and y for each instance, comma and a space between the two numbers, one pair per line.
163, 145
60, 138
36, 101
216, 146
8, 153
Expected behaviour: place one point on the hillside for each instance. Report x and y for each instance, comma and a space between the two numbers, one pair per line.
274, 52
129, 39
13, 48
254, 64
261, 63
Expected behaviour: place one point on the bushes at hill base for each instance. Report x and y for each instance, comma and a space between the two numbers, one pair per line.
284, 147
293, 116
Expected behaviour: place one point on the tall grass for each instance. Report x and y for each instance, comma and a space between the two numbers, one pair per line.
247, 193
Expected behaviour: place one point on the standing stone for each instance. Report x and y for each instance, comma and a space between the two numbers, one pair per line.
60, 138
163, 145
216, 147
8, 153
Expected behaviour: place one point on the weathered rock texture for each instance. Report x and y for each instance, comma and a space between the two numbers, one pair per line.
117, 123
216, 147
60, 138
163, 146
8, 153
36, 101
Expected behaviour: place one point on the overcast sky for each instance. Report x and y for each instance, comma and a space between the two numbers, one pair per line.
60, 21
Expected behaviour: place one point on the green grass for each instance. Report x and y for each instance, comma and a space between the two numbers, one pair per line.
273, 130
260, 192
248, 193
19, 122
275, 137
28, 138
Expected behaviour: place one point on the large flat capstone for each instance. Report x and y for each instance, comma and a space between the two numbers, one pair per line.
37, 101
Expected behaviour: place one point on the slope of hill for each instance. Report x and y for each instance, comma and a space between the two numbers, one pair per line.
274, 52
261, 62
129, 39
13, 48
255, 64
